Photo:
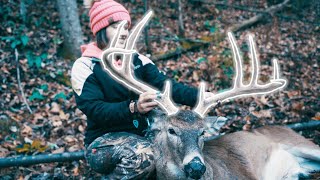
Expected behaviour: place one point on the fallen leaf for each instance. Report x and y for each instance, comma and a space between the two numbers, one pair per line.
13, 128
263, 100
63, 116
70, 139
247, 118
56, 121
55, 108
74, 148
316, 117
57, 151
39, 145
26, 131
25, 148
75, 171
246, 127
4, 152
262, 113
195, 76
293, 93
8, 145
297, 106
81, 128
37, 116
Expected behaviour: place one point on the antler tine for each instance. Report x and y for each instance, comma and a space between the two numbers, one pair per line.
202, 104
237, 60
275, 69
124, 74
255, 62
137, 30
131, 41
240, 90
115, 38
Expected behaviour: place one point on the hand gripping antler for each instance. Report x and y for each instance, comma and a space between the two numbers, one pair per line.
239, 89
124, 74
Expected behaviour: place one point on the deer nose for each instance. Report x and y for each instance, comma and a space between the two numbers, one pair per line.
195, 168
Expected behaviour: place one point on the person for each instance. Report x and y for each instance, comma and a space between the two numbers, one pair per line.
114, 137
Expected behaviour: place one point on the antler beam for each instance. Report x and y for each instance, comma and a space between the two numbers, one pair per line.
239, 89
124, 74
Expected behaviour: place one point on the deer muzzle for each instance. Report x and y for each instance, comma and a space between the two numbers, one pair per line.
195, 168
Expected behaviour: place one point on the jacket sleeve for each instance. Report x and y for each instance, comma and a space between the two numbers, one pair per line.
181, 93
89, 97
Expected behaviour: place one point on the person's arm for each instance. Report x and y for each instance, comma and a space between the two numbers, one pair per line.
181, 93
101, 112
90, 98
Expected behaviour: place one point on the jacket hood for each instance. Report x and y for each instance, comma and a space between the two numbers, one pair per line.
91, 50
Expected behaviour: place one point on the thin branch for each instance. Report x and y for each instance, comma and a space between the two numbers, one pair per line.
243, 8
177, 52
179, 39
19, 81
271, 10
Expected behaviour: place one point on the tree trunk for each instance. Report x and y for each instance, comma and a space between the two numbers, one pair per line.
181, 27
71, 28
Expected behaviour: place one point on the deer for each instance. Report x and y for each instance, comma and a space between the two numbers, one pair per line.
188, 144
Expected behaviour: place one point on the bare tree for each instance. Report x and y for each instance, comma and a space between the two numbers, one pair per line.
71, 28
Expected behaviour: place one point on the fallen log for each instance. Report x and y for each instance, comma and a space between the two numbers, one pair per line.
42, 158
305, 125
78, 155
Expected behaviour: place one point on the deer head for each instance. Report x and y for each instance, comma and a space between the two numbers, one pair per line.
179, 135
178, 142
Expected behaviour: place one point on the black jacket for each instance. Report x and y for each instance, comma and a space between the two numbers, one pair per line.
105, 102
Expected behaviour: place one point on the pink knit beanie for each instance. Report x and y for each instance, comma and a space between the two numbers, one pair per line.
105, 12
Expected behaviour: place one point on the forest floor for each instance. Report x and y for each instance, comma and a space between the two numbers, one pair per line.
56, 125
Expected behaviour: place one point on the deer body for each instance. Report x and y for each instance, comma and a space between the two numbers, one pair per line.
179, 136
270, 152
265, 153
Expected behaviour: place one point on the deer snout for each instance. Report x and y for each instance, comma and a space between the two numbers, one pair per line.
195, 168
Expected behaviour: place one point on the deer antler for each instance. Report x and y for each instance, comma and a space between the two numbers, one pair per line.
124, 74
239, 89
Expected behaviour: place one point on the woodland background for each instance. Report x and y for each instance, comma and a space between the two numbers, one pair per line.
185, 38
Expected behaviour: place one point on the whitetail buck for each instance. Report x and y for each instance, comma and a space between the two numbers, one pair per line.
179, 136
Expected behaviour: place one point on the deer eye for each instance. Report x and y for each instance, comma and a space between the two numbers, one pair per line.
171, 131
202, 133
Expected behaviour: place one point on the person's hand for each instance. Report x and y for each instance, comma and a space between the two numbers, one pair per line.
146, 102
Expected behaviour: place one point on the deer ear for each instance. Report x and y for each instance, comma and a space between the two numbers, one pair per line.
154, 118
212, 125
156, 115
